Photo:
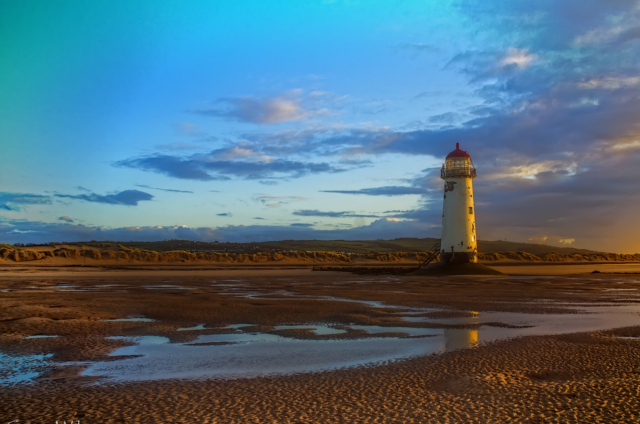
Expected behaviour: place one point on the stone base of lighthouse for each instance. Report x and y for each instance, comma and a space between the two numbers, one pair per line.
456, 268
458, 258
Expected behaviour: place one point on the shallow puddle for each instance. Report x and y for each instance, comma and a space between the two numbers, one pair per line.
49, 287
319, 329
409, 331
21, 369
197, 327
238, 326
167, 286
133, 319
38, 336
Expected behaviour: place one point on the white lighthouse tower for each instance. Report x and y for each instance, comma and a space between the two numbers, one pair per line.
459, 242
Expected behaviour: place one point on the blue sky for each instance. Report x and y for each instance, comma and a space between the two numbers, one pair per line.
219, 120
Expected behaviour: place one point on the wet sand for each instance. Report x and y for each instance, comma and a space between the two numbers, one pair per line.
585, 377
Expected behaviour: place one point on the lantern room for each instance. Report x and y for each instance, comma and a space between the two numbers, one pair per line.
458, 164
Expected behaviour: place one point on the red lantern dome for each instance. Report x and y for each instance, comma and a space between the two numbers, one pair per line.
458, 153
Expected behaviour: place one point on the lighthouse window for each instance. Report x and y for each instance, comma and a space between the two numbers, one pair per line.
470, 210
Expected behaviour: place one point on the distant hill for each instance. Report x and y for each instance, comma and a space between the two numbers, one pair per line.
411, 245
348, 246
534, 249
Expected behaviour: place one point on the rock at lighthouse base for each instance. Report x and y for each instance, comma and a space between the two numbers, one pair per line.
440, 268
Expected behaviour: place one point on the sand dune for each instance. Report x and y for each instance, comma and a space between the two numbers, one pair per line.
70, 254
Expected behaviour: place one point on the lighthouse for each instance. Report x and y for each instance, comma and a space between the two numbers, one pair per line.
459, 241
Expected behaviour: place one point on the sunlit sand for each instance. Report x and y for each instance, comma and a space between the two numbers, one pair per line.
295, 345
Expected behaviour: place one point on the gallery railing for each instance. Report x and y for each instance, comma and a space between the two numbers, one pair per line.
458, 172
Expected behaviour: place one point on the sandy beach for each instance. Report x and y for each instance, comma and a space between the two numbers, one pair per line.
508, 371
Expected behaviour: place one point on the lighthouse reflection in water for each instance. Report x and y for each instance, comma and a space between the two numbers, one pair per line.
459, 338
462, 338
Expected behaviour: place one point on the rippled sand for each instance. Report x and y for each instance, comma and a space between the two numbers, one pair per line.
585, 377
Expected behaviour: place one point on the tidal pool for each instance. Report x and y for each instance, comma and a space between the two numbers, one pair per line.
251, 355
260, 354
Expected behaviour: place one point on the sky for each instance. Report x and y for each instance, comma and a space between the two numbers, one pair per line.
272, 120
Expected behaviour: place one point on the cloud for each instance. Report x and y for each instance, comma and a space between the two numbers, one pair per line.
173, 166
224, 214
222, 165
277, 201
65, 218
170, 190
382, 191
446, 118
15, 201
567, 241
518, 57
610, 82
290, 106
307, 212
12, 231
127, 197
236, 153
263, 198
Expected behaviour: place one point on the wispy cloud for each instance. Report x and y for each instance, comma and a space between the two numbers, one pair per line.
16, 201
289, 106
268, 182
277, 201
126, 198
329, 214
611, 82
518, 57
382, 191
170, 190
65, 218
